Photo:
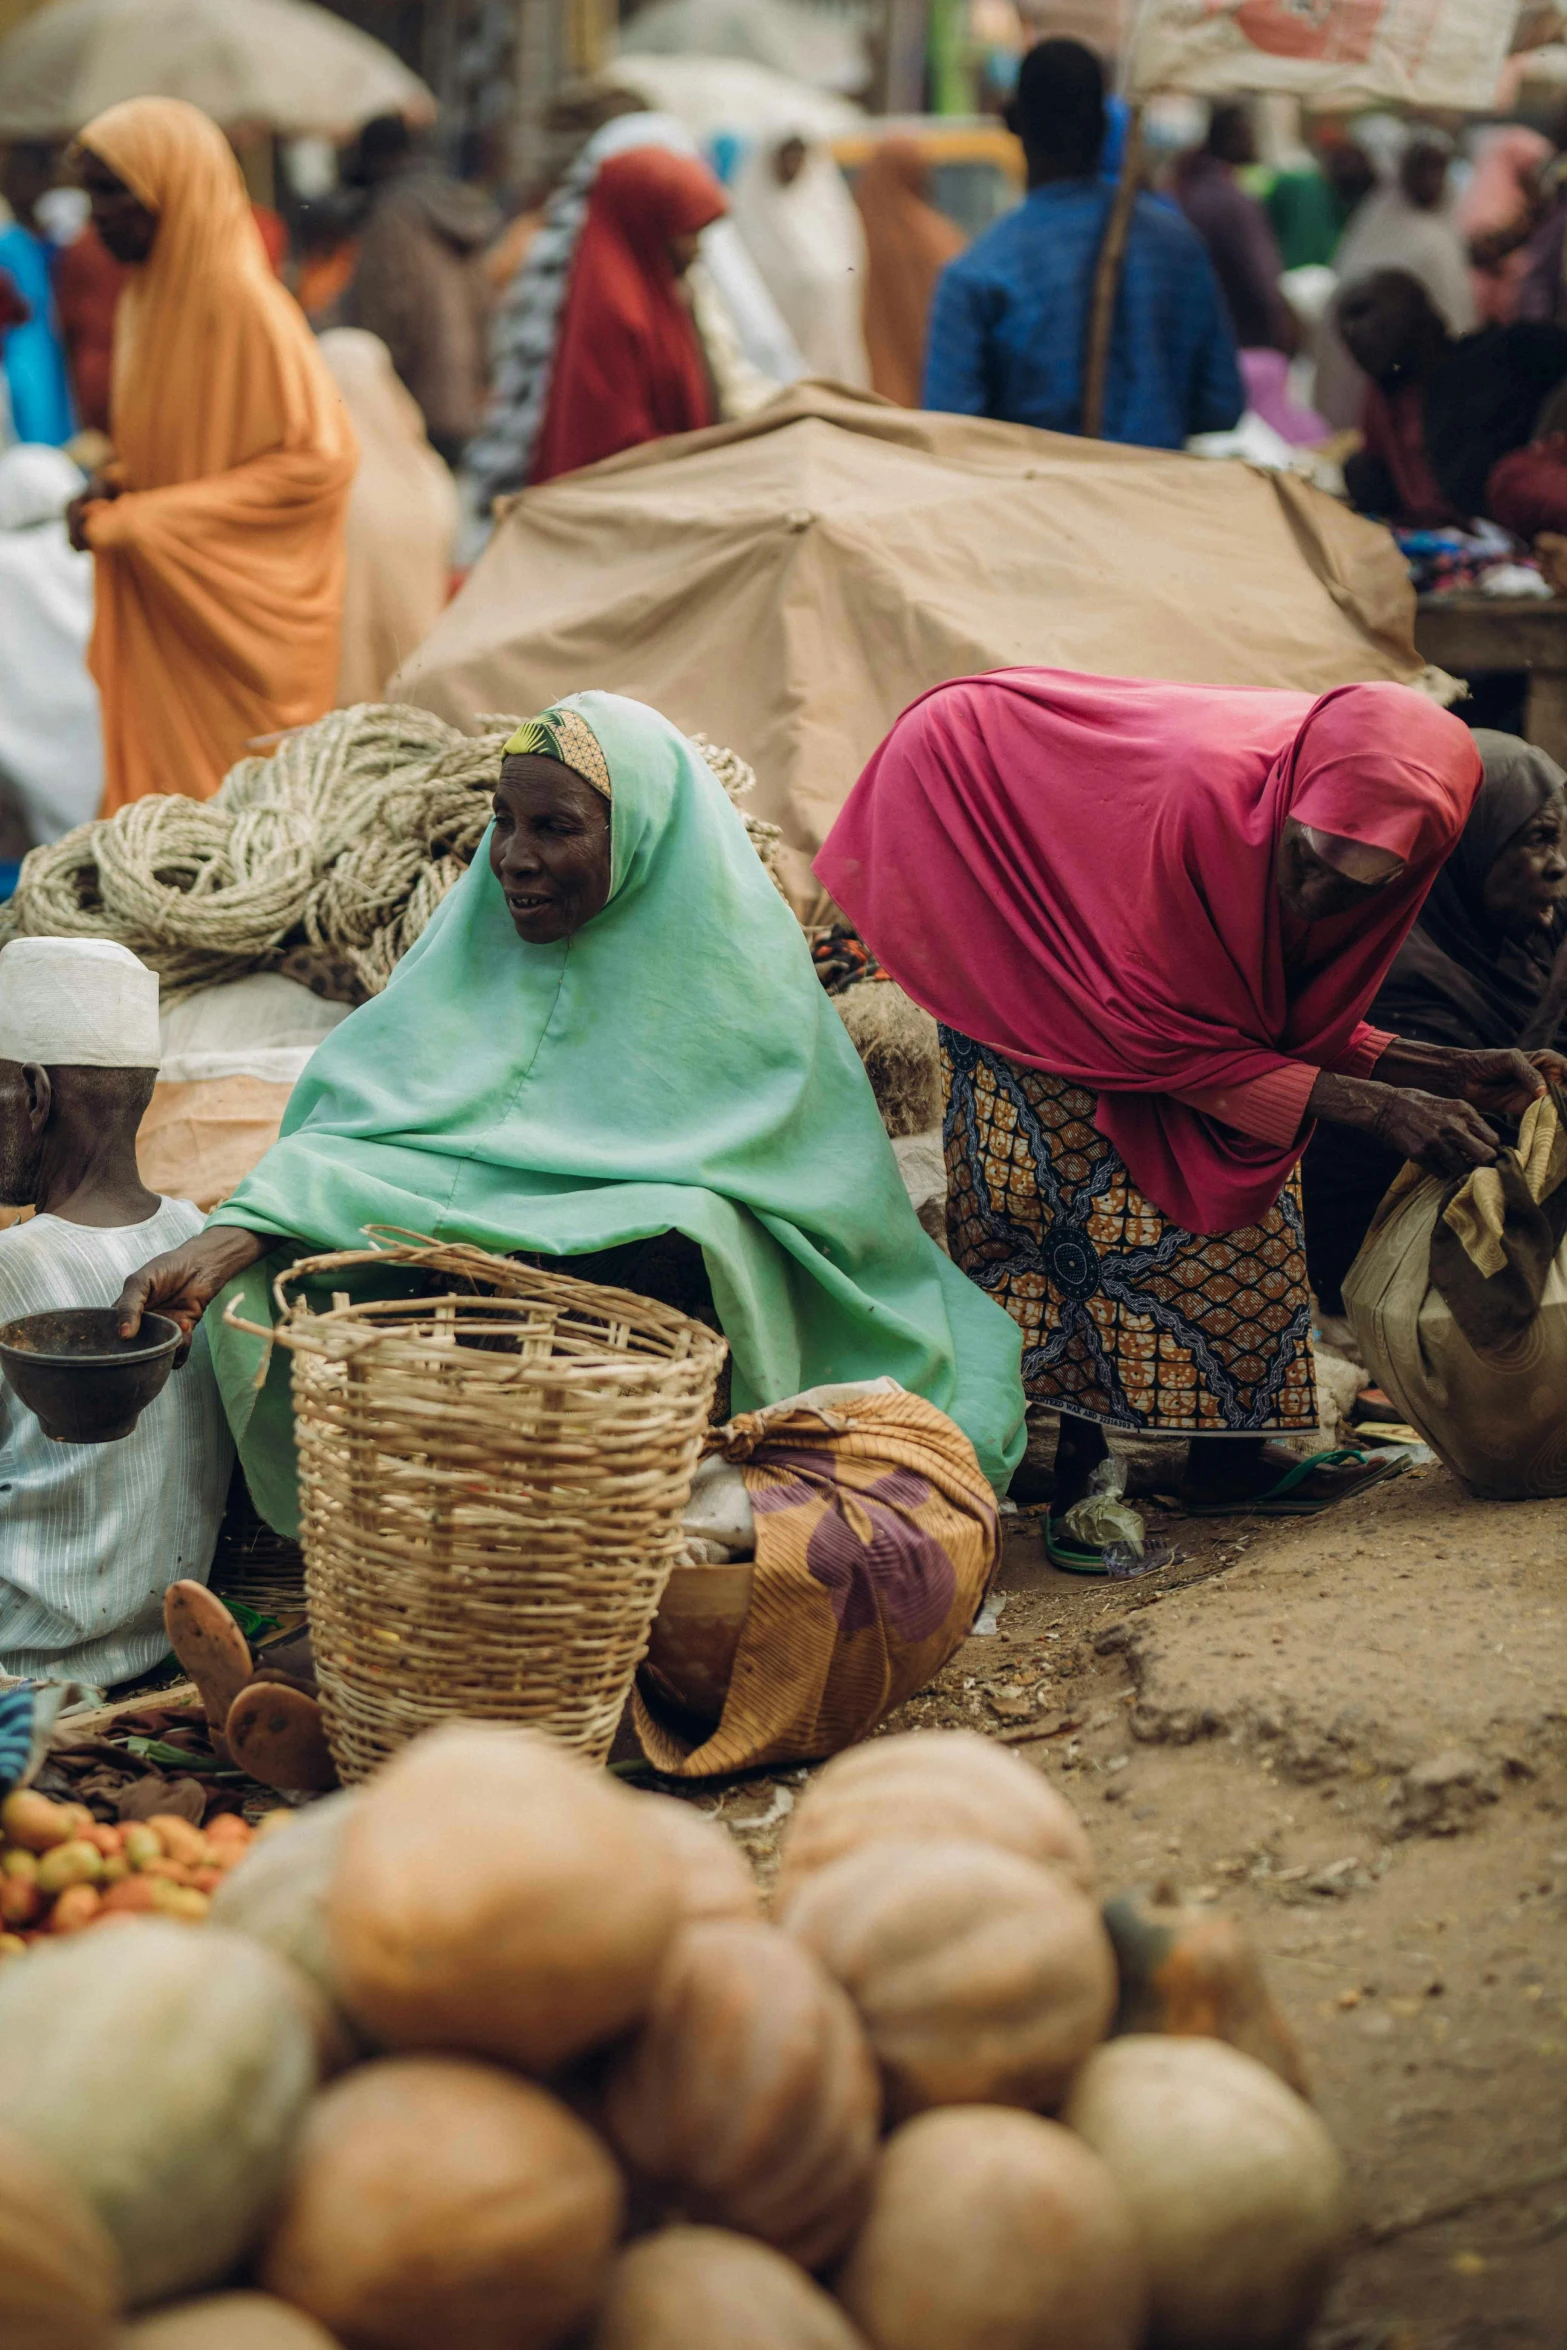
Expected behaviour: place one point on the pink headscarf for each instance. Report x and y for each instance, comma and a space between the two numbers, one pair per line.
1078, 873
1501, 185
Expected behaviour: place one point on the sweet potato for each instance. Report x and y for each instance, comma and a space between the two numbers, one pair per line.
34, 1822
77, 1906
131, 1897
181, 1841
174, 1872
20, 1901
76, 1863
142, 1844
179, 1901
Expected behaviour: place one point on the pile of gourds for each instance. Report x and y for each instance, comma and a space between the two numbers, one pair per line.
494, 2053
61, 1869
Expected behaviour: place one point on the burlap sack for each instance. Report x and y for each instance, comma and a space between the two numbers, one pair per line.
1459, 1302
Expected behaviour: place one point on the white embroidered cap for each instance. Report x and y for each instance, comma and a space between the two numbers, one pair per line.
83, 1003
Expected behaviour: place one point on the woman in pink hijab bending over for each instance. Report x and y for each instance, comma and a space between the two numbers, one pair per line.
1149, 919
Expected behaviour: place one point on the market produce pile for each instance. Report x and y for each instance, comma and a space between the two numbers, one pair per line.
325, 857
61, 1868
494, 2052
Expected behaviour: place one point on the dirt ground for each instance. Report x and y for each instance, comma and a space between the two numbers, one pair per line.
1349, 1732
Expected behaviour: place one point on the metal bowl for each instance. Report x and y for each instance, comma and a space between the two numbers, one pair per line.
86, 1383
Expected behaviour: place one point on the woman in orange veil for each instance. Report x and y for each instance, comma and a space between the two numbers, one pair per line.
218, 529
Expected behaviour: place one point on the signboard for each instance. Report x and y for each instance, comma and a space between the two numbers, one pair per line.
1430, 53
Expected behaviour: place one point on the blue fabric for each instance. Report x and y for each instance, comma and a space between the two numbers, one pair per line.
1010, 322
17, 1708
1118, 115
34, 354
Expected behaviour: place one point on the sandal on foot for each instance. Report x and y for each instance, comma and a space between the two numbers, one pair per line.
274, 1732
1287, 1497
210, 1647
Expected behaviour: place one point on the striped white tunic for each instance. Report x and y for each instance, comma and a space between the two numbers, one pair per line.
91, 1535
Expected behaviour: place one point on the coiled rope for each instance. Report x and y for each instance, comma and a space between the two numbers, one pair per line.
326, 857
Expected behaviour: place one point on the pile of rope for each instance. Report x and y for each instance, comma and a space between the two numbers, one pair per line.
324, 859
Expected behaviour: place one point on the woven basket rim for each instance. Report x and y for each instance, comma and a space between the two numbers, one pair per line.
349, 1329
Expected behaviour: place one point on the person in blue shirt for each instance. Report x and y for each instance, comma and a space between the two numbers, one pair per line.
34, 355
1009, 324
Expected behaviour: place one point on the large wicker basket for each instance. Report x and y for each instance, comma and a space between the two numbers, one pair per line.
491, 1486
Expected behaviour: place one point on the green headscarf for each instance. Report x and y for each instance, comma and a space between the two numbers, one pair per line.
673, 1066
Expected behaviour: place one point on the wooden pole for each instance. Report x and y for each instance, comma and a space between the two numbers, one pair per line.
1107, 278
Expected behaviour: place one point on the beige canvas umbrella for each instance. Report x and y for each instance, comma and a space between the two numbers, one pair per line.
281, 65
789, 584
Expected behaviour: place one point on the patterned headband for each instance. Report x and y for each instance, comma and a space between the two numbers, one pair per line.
564, 735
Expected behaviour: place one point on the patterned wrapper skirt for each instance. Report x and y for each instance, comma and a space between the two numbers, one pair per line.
1126, 1318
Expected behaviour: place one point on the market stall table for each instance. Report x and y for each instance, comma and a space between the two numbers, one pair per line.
1466, 634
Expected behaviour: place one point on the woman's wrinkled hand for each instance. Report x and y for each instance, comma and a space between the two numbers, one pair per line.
184, 1282
1505, 1081
1445, 1137
1552, 1066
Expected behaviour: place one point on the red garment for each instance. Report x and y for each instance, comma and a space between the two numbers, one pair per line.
274, 234
628, 366
87, 283
1393, 429
1274, 1107
1078, 873
1526, 491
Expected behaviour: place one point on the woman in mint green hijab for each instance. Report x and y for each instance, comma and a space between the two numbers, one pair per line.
611, 1030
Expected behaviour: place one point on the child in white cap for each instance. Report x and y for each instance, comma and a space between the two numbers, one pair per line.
91, 1535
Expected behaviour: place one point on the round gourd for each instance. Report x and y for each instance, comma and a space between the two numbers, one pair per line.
59, 2273
166, 2071
277, 1893
749, 2097
994, 2231
227, 2321
436, 2202
705, 2289
715, 1876
947, 1785
980, 1978
1237, 2190
494, 1893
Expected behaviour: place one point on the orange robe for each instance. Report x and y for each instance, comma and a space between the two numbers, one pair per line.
219, 569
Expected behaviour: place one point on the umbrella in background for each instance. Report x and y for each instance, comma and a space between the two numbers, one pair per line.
282, 65
805, 43
726, 97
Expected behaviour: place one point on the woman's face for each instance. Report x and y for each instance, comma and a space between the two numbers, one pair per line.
1527, 881
1309, 887
123, 222
550, 849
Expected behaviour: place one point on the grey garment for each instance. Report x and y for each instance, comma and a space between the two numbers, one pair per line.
499, 458
419, 284
91, 1535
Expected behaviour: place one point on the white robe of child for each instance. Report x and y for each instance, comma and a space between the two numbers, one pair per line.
92, 1535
